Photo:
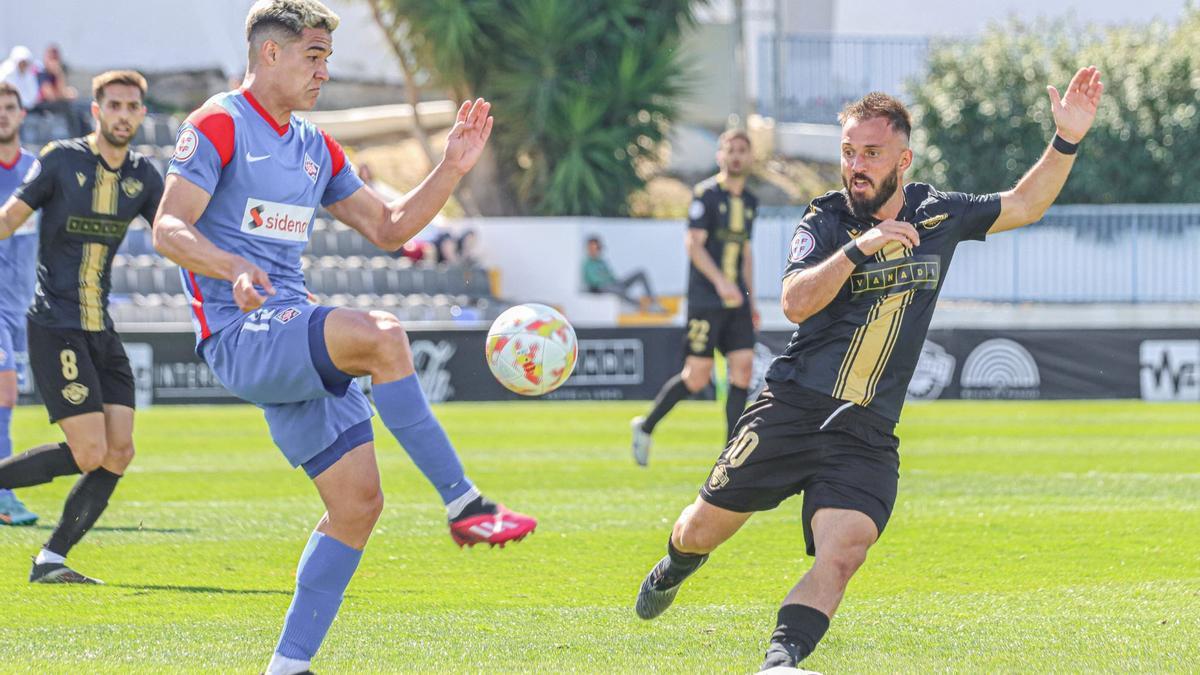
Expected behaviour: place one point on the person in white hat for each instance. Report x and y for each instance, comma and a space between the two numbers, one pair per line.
20, 70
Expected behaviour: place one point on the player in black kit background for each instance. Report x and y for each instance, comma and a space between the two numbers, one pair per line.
88, 190
865, 268
721, 312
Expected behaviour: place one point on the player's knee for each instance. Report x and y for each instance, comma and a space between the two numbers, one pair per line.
739, 375
8, 397
844, 560
390, 338
696, 377
89, 454
362, 512
691, 536
119, 456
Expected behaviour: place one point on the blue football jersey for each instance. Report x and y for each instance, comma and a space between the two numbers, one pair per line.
18, 253
266, 181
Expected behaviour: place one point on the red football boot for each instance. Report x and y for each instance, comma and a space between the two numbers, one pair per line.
500, 528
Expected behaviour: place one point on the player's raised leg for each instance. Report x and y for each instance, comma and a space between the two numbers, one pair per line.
696, 374
353, 501
698, 531
842, 538
375, 343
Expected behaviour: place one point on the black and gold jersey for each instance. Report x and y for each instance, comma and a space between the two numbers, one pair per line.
86, 207
729, 220
864, 345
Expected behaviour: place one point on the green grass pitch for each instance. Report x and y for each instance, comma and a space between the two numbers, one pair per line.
1028, 537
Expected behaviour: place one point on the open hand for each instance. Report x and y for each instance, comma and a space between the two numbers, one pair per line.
1075, 112
469, 135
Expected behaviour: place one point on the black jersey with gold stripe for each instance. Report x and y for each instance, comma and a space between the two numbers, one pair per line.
729, 220
86, 207
864, 345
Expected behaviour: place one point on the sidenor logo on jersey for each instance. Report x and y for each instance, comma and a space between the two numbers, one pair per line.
276, 221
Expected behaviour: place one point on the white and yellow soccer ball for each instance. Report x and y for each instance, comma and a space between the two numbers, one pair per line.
531, 349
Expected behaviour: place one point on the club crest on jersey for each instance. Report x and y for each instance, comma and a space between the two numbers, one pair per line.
80, 177
287, 315
311, 168
185, 147
276, 221
802, 245
131, 186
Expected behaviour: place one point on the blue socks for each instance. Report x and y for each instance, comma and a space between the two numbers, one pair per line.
5, 439
321, 578
405, 412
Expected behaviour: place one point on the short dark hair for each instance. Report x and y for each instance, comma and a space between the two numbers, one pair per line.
130, 77
594, 239
879, 104
7, 89
731, 135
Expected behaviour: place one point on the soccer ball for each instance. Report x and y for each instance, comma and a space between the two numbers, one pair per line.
531, 349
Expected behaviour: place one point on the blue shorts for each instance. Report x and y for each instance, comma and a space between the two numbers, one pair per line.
276, 358
13, 347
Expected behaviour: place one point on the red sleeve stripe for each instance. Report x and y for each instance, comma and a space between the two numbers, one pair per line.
217, 126
335, 153
198, 306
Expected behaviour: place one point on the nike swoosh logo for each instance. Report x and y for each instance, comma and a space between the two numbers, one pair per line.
252, 158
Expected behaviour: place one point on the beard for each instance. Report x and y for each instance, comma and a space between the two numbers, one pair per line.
865, 208
112, 138
5, 140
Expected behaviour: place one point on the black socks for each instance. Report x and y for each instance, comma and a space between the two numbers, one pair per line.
674, 391
735, 404
799, 628
681, 567
83, 507
39, 465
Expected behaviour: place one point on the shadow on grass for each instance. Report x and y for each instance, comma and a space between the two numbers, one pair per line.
128, 528
200, 589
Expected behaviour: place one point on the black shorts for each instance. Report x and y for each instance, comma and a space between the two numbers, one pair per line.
727, 330
779, 449
78, 371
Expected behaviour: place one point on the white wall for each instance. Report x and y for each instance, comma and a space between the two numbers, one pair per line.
958, 18
159, 35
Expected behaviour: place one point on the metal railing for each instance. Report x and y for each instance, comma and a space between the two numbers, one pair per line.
1076, 254
821, 73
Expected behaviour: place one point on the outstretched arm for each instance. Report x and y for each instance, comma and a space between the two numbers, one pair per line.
1037, 189
390, 225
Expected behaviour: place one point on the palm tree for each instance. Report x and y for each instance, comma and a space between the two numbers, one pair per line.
584, 90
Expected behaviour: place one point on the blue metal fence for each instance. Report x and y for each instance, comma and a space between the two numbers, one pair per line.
1077, 254
821, 73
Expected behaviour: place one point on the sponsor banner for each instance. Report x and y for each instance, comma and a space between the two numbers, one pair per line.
614, 364
632, 363
1154, 365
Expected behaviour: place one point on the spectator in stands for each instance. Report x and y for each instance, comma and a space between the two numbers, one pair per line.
56, 97
598, 277
20, 70
52, 79
445, 248
468, 251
